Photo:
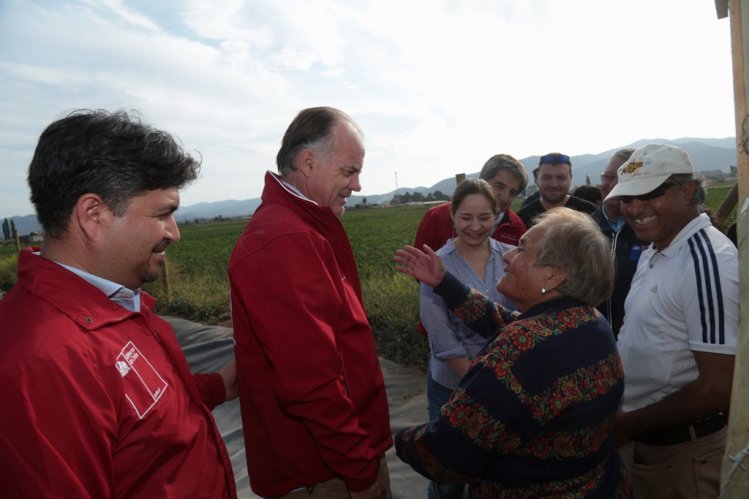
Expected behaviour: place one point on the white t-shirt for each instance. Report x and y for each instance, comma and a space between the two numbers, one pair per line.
683, 298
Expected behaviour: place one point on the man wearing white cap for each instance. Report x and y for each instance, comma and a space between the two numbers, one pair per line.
678, 339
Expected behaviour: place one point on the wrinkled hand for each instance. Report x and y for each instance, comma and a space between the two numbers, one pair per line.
424, 266
229, 376
375, 491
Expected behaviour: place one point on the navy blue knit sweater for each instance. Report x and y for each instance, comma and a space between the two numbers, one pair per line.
534, 414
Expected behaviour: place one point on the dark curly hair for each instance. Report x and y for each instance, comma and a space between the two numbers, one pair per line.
112, 154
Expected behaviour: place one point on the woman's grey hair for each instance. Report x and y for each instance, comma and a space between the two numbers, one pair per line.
573, 243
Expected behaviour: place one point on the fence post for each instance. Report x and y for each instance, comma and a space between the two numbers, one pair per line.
165, 280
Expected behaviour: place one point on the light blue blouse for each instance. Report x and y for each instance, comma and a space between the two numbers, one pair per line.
449, 337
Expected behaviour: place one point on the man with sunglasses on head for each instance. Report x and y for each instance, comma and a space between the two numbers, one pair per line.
625, 246
678, 339
554, 179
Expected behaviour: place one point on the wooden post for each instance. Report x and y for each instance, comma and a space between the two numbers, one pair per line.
720, 215
735, 474
165, 280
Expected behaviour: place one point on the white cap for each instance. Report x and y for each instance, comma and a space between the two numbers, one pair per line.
648, 168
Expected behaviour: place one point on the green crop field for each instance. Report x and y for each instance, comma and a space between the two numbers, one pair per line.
195, 285
7, 265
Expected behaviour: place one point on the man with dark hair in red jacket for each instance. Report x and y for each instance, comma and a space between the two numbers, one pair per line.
98, 399
313, 400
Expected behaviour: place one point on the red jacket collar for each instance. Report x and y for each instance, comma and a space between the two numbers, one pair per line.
321, 218
82, 302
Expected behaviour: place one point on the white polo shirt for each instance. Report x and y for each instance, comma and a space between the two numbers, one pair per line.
683, 298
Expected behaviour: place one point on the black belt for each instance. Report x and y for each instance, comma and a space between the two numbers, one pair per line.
680, 434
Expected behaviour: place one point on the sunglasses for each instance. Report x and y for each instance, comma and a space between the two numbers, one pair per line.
660, 191
554, 159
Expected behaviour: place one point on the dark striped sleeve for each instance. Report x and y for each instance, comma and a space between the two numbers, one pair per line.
709, 290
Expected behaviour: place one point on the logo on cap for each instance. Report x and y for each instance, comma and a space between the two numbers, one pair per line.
632, 167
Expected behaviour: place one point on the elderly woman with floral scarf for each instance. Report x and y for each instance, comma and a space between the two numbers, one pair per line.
534, 414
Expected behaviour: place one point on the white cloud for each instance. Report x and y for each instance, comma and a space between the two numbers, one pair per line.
438, 86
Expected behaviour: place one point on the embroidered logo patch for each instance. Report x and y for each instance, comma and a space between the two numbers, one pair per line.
632, 167
143, 384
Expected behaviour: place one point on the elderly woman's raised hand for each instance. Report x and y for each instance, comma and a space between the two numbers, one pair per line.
424, 266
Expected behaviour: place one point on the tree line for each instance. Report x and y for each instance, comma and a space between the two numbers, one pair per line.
9, 229
417, 197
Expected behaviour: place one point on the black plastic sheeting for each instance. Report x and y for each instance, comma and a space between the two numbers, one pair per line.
208, 348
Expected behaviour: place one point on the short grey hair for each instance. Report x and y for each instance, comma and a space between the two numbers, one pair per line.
504, 162
573, 243
623, 154
311, 129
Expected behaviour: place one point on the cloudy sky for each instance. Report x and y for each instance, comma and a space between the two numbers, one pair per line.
437, 85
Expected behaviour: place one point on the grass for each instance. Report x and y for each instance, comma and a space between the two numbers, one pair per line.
198, 286
8, 254
391, 299
715, 194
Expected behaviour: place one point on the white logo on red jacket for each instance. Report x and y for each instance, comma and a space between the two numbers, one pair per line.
142, 384
123, 367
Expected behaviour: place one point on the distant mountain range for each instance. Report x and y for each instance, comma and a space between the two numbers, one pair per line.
706, 154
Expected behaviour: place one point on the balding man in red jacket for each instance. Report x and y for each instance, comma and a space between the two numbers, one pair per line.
313, 399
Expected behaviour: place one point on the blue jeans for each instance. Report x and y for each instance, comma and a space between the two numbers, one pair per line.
437, 396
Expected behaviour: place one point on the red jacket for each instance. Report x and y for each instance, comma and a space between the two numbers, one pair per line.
436, 227
312, 394
99, 401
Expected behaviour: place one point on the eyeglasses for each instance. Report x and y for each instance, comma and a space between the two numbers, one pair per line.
660, 191
554, 159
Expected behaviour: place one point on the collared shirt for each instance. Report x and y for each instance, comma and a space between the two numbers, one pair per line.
119, 294
683, 298
293, 188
